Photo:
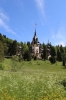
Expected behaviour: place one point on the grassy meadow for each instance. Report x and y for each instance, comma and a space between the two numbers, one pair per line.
33, 80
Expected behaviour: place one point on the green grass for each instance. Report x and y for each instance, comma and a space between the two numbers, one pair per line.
33, 80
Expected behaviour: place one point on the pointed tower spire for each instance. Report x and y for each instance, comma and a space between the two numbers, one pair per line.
35, 29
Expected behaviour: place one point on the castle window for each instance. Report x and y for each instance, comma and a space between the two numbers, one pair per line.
37, 51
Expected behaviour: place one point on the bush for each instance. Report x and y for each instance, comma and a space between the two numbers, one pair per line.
15, 58
52, 60
14, 64
63, 62
63, 82
35, 58
1, 67
27, 56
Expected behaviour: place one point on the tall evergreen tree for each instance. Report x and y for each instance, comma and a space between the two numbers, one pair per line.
53, 51
1, 37
29, 46
53, 55
44, 55
61, 49
1, 51
65, 49
59, 55
14, 47
5, 49
9, 52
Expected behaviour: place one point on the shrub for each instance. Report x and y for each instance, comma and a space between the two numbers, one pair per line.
63, 82
52, 60
14, 65
35, 58
27, 55
15, 58
63, 62
1, 67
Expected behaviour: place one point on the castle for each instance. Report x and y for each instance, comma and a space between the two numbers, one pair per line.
36, 48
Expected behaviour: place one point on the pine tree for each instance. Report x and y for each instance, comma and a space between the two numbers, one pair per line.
1, 37
14, 47
9, 53
5, 49
1, 51
61, 49
59, 55
44, 55
53, 55
29, 46
53, 51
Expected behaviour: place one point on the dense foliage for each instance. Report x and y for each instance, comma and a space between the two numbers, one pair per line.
1, 51
12, 47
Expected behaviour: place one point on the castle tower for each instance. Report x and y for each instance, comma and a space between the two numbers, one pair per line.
35, 46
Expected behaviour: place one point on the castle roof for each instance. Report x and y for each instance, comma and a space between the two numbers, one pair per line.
35, 39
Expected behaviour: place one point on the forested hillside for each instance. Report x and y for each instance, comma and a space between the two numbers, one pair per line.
9, 47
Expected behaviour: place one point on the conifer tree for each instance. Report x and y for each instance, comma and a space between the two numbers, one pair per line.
53, 51
44, 56
14, 47
53, 55
61, 49
1, 37
59, 55
1, 51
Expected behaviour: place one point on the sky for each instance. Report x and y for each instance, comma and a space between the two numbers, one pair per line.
18, 19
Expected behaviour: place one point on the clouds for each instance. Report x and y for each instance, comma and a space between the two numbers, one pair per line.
61, 43
40, 6
61, 33
6, 27
4, 17
59, 36
3, 20
3, 23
